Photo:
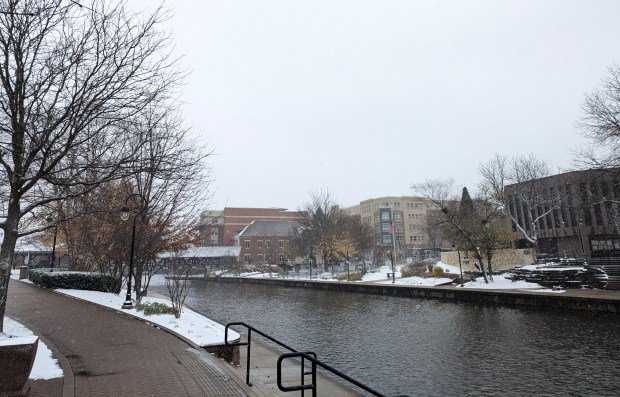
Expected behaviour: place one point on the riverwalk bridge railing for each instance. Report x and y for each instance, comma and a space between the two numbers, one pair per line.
310, 356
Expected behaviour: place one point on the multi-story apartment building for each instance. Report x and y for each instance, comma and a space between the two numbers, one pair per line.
220, 227
407, 214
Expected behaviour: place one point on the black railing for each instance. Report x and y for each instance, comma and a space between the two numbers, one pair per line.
249, 345
293, 353
313, 385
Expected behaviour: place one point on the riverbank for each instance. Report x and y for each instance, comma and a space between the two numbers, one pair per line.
579, 299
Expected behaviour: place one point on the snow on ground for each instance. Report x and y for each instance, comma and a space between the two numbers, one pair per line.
420, 281
204, 331
380, 274
448, 268
193, 326
45, 364
503, 281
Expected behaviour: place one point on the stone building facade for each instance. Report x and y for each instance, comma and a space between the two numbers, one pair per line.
582, 220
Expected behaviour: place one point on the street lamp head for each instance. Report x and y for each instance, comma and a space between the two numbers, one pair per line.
125, 212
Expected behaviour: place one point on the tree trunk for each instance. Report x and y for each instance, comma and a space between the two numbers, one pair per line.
7, 249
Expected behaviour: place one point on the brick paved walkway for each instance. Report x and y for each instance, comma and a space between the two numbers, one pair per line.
111, 354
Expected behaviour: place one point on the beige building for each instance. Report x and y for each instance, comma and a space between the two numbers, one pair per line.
408, 214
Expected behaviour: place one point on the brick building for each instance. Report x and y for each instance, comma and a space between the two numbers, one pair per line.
218, 228
266, 241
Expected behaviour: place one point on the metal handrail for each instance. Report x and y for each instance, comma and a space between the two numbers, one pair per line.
249, 343
313, 385
294, 353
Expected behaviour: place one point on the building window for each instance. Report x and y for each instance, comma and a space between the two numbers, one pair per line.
267, 243
281, 259
259, 258
398, 216
281, 243
396, 205
259, 243
247, 244
247, 259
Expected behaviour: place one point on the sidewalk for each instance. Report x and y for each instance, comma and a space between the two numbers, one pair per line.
106, 353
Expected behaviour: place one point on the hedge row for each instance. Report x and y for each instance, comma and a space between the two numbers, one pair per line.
61, 278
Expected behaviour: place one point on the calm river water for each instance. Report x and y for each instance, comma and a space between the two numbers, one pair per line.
430, 348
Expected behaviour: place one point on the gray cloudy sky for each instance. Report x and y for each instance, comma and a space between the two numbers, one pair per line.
365, 97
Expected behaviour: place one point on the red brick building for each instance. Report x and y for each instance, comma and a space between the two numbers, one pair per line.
266, 242
220, 227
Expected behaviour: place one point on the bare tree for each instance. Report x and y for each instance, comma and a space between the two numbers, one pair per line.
75, 82
171, 174
323, 229
476, 225
363, 237
601, 124
517, 188
178, 284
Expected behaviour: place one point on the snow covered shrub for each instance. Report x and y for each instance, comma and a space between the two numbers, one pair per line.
60, 278
154, 308
437, 271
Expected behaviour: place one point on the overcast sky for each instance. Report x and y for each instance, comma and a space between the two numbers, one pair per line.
365, 97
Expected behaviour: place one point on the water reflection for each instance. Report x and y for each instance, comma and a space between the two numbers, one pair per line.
430, 348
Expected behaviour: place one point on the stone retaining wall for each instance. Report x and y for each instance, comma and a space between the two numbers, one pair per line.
502, 259
450, 294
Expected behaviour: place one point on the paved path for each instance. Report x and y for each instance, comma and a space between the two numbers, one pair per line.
104, 352
112, 354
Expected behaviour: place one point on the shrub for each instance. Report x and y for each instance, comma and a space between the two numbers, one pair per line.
61, 278
438, 271
357, 276
407, 271
154, 308
413, 269
354, 276
267, 268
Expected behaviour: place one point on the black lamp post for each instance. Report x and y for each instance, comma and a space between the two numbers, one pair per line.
124, 216
392, 255
458, 252
583, 251
50, 220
